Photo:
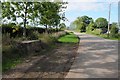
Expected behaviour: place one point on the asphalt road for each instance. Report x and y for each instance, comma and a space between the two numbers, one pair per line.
97, 58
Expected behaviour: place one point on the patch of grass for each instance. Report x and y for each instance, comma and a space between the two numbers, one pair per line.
69, 38
105, 36
10, 63
10, 57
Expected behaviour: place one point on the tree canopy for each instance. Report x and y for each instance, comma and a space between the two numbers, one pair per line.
101, 22
44, 13
82, 22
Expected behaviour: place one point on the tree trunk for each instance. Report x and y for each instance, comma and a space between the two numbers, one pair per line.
24, 29
46, 31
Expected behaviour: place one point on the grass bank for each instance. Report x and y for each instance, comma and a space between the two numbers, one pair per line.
13, 55
105, 36
69, 38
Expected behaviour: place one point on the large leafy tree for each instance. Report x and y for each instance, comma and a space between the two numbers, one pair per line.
82, 27
46, 13
91, 26
50, 14
82, 22
14, 10
101, 23
76, 23
86, 20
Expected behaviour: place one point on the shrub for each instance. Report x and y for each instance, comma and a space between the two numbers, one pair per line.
90, 27
6, 40
17, 31
96, 31
114, 31
46, 38
33, 35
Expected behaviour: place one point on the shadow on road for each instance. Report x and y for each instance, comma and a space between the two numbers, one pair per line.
97, 58
55, 64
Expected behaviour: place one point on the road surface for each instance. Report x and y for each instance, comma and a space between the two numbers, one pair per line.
97, 58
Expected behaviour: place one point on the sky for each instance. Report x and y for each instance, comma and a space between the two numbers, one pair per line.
91, 8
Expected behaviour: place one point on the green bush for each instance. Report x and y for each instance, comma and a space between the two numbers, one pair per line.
46, 38
6, 40
10, 52
114, 31
90, 27
33, 35
96, 31
51, 38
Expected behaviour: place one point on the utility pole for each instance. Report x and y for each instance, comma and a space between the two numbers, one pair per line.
109, 20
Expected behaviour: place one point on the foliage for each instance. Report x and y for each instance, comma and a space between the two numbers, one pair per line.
14, 10
51, 38
90, 27
10, 57
114, 30
62, 26
13, 53
101, 23
82, 22
50, 14
96, 31
16, 30
9, 52
44, 13
82, 27
86, 19
34, 35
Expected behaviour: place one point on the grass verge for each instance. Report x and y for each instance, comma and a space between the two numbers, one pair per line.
13, 55
105, 36
69, 38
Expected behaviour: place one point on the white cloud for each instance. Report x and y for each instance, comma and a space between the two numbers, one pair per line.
92, 0
83, 6
81, 0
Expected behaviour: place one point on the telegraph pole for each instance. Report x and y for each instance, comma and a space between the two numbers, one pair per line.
109, 20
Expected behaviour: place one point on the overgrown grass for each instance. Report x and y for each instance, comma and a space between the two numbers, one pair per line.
69, 38
10, 57
105, 36
13, 55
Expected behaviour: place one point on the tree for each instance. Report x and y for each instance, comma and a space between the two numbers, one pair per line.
50, 14
91, 26
46, 13
82, 27
62, 26
101, 23
82, 22
77, 23
14, 10
114, 30
86, 20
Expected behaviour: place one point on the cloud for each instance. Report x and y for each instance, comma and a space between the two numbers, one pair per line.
91, 0
83, 6
88, 5
81, 0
